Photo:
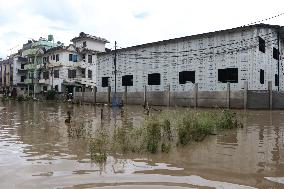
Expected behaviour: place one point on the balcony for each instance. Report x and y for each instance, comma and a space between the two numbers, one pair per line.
31, 81
30, 67
44, 81
22, 59
21, 71
82, 64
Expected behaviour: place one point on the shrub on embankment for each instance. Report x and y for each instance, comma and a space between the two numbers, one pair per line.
159, 133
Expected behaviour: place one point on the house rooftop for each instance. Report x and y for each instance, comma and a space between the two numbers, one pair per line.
261, 25
83, 36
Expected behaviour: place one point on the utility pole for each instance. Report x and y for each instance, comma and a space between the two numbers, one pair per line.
114, 61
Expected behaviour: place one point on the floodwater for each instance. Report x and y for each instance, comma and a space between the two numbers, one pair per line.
39, 150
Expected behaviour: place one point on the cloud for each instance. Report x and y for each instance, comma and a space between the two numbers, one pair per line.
141, 15
129, 22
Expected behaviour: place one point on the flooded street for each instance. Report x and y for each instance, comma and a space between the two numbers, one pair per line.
39, 150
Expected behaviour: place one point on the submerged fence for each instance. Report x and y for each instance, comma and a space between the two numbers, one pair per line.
251, 99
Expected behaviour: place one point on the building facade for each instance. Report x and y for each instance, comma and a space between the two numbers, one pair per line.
250, 53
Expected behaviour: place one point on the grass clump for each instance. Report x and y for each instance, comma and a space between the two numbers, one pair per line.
158, 133
99, 146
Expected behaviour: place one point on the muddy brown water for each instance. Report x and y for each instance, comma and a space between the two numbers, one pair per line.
38, 150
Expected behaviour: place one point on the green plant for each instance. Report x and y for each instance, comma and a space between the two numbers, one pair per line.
99, 146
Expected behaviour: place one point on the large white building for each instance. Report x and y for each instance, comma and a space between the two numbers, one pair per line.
249, 53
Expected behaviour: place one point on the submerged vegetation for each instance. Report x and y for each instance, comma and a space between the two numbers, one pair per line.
159, 133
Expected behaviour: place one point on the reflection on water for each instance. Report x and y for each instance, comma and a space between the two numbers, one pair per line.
40, 150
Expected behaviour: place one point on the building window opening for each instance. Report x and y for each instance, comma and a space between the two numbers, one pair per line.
186, 76
57, 57
90, 74
154, 79
276, 80
261, 45
23, 78
127, 80
261, 77
275, 53
228, 75
90, 59
56, 88
75, 58
56, 73
45, 75
70, 57
44, 88
105, 81
71, 73
85, 44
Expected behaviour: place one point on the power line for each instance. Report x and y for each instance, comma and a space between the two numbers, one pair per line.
260, 21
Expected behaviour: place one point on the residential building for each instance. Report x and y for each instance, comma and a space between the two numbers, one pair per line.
6, 70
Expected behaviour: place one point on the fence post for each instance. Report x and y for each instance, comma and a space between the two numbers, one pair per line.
83, 94
125, 95
169, 96
108, 95
195, 95
145, 96
228, 95
245, 94
95, 95
270, 94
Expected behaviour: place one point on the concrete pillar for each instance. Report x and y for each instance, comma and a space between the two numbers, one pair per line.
125, 95
195, 95
145, 95
108, 95
270, 94
245, 94
95, 95
169, 96
228, 94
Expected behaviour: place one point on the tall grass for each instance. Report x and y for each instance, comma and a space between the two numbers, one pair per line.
159, 133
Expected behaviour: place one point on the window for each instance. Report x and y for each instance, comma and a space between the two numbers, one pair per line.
261, 45
186, 76
31, 75
105, 81
45, 75
90, 74
276, 80
23, 78
84, 44
261, 77
228, 75
89, 58
44, 88
275, 53
83, 70
70, 57
53, 57
22, 66
127, 80
154, 79
56, 88
84, 57
57, 57
71, 73
56, 73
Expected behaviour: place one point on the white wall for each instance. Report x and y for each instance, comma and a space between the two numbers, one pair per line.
91, 44
234, 49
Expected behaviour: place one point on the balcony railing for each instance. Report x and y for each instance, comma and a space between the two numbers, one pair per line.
21, 71
30, 67
31, 81
44, 81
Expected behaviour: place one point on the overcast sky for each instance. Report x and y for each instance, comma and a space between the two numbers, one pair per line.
129, 22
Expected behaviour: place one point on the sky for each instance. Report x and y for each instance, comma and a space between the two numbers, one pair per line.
129, 22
